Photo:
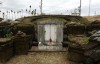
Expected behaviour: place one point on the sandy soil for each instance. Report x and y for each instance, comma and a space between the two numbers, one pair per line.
41, 58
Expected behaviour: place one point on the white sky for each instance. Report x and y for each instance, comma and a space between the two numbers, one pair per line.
51, 6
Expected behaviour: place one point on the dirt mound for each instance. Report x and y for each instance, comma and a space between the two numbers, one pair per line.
66, 17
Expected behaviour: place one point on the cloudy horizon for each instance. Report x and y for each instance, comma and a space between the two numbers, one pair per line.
64, 7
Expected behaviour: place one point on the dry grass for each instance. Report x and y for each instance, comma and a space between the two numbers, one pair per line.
41, 58
93, 18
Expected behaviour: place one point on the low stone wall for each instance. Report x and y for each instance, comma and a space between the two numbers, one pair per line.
75, 29
17, 45
6, 49
75, 55
22, 44
88, 53
28, 29
93, 27
81, 29
5, 30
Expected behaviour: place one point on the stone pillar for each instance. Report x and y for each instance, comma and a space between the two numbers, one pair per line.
59, 33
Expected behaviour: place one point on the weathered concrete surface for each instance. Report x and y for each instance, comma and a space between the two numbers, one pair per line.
41, 58
57, 47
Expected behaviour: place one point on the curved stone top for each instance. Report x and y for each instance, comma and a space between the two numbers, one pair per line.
50, 21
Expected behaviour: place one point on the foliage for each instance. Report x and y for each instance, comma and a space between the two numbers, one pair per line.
86, 40
8, 35
78, 39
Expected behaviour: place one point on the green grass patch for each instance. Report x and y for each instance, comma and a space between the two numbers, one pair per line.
86, 40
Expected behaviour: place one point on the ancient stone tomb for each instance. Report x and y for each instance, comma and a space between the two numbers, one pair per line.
50, 33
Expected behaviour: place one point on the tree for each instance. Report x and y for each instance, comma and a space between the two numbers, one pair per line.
3, 15
0, 12
30, 8
0, 2
26, 10
22, 12
15, 14
32, 12
12, 14
35, 12
7, 14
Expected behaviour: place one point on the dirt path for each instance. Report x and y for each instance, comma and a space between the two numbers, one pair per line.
41, 58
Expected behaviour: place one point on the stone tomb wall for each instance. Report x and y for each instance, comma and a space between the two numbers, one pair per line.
22, 43
6, 49
48, 21
85, 53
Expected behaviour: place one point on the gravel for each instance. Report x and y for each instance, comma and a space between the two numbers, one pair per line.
40, 58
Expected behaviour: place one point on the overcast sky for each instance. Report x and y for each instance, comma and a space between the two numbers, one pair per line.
51, 6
